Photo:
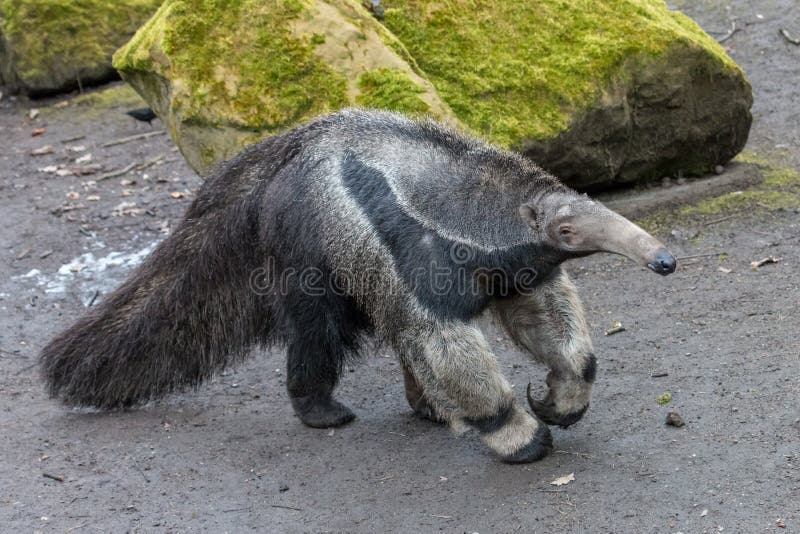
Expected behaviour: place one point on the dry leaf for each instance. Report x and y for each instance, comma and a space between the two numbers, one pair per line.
73, 195
50, 169
566, 479
126, 208
47, 149
86, 158
756, 264
616, 328
37, 131
93, 198
76, 148
704, 513
177, 194
33, 113
725, 270
82, 171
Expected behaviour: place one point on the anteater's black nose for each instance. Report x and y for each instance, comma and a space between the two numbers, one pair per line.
664, 263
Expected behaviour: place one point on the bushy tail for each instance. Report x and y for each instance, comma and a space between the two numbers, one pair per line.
187, 312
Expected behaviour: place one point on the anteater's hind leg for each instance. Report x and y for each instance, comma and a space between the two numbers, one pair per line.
421, 403
549, 324
311, 380
326, 333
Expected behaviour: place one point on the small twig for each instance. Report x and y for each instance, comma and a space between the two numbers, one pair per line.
710, 254
721, 219
116, 173
150, 162
14, 354
286, 507
578, 454
91, 302
76, 527
58, 478
552, 491
442, 516
236, 509
387, 477
661, 374
84, 231
728, 35
26, 368
71, 139
786, 35
128, 139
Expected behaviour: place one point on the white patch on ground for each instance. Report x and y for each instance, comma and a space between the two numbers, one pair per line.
88, 272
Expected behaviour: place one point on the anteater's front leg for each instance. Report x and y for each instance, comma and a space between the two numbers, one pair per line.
549, 324
454, 373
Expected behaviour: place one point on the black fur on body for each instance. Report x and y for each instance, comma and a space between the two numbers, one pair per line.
362, 209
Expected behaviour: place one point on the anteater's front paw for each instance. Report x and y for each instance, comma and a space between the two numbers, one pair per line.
424, 410
548, 411
322, 413
537, 448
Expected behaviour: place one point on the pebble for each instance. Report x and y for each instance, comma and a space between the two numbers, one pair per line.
675, 419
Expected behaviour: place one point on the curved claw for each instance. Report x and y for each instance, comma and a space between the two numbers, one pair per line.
536, 406
546, 411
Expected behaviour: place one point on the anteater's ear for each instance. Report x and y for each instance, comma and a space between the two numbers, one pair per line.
529, 215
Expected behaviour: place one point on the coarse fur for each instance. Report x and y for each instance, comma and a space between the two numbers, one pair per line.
361, 223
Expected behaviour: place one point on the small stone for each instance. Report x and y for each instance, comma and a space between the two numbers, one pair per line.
666, 182
283, 488
719, 169
674, 419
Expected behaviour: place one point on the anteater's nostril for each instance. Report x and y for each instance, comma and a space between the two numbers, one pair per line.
663, 263
666, 262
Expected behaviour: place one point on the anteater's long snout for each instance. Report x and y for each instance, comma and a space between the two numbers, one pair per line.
611, 232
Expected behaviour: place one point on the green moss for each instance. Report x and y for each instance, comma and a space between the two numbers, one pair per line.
120, 95
516, 70
386, 88
51, 43
269, 80
780, 189
665, 398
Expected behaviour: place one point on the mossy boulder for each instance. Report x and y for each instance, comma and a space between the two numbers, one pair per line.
48, 46
222, 76
599, 93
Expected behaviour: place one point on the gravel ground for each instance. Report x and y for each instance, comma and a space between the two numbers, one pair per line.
232, 457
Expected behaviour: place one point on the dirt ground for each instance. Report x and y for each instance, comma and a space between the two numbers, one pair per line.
232, 457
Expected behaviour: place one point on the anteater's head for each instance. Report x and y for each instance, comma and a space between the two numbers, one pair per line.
578, 225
